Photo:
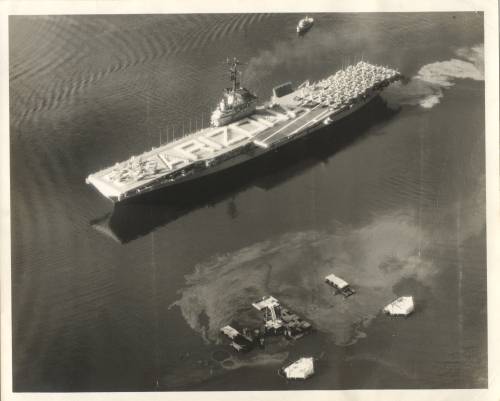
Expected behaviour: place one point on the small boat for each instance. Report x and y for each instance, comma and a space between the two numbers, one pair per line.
340, 285
299, 370
304, 25
239, 341
403, 306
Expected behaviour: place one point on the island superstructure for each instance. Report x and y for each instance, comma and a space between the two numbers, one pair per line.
252, 131
236, 102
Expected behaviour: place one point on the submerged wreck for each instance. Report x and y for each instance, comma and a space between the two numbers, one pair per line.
277, 321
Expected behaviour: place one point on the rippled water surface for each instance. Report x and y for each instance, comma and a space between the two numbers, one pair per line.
131, 298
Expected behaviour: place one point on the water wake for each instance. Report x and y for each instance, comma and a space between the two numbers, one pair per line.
427, 87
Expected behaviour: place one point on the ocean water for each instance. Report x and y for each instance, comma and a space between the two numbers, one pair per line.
131, 298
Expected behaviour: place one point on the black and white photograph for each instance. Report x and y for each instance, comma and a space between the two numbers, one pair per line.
219, 201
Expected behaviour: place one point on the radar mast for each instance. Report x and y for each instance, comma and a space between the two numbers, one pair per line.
235, 73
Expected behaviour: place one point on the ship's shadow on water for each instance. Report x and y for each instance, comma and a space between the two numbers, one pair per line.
139, 216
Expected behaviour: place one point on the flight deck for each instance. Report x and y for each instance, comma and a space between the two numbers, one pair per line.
290, 114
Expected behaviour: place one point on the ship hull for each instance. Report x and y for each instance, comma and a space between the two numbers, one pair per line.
304, 29
251, 154
291, 115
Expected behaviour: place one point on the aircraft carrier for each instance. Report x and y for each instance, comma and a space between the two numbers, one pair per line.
242, 131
